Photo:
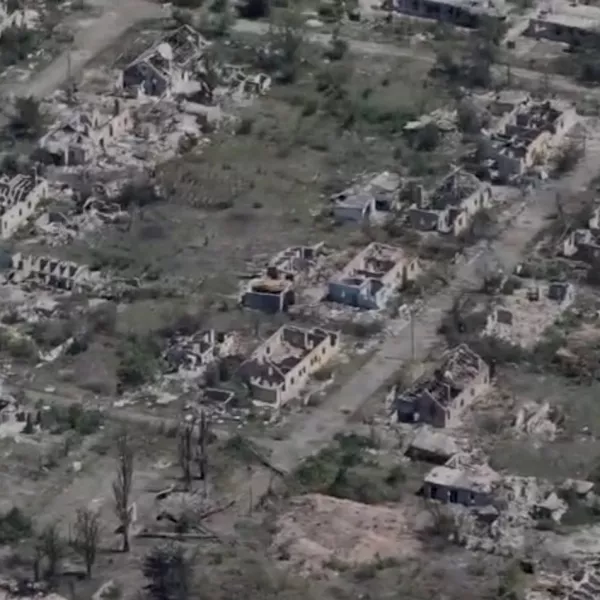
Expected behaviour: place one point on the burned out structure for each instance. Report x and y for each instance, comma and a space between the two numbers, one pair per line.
521, 317
452, 204
189, 356
373, 276
440, 398
165, 66
281, 367
77, 140
459, 486
19, 199
570, 23
465, 13
373, 201
583, 245
59, 274
525, 138
273, 290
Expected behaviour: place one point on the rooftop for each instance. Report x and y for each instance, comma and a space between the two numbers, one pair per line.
14, 190
459, 479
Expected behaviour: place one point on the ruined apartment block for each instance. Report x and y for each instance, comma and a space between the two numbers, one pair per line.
452, 205
370, 202
281, 367
273, 290
522, 317
165, 67
85, 135
19, 198
373, 276
189, 356
465, 13
60, 274
440, 398
570, 23
526, 137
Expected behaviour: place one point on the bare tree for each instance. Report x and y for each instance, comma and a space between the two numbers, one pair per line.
87, 536
185, 452
122, 486
50, 546
203, 435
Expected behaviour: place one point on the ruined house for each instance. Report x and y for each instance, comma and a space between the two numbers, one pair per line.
281, 367
452, 205
371, 278
294, 262
167, 65
19, 198
458, 486
48, 271
189, 356
582, 244
273, 290
522, 316
526, 137
571, 23
86, 134
17, 16
370, 202
464, 13
440, 398
268, 295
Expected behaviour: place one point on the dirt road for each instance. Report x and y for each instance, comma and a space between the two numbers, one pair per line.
325, 421
93, 36
557, 83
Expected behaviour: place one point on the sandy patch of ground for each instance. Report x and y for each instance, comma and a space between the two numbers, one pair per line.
317, 529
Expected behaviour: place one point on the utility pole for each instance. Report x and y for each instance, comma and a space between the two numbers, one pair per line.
412, 334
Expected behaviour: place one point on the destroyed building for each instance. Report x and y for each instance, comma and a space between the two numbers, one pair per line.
373, 276
15, 15
465, 13
77, 140
60, 274
440, 398
189, 356
273, 290
526, 137
431, 445
281, 367
583, 245
522, 316
458, 486
294, 262
166, 66
571, 23
452, 204
19, 198
371, 202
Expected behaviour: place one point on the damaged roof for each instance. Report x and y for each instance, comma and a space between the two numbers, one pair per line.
456, 187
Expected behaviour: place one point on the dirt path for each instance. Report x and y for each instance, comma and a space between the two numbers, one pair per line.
557, 83
93, 37
319, 427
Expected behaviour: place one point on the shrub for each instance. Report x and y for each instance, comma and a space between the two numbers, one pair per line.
139, 361
14, 526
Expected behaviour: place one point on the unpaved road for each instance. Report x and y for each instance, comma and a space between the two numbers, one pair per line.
320, 426
557, 83
93, 37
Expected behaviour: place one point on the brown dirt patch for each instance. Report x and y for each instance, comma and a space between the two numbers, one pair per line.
318, 529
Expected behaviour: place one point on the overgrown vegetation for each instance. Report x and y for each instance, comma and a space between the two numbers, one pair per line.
139, 360
345, 469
